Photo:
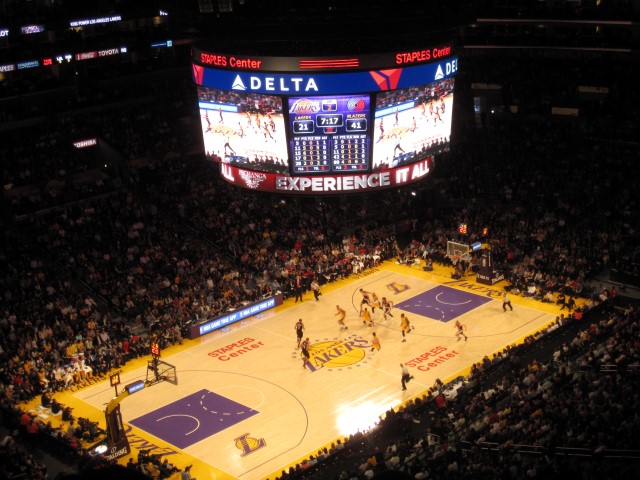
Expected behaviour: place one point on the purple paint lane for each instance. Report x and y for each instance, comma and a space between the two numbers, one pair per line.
442, 303
193, 418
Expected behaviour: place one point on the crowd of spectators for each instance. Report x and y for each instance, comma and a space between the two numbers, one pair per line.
87, 284
17, 462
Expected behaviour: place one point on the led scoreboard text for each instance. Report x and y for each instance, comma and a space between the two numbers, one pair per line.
418, 56
329, 133
229, 61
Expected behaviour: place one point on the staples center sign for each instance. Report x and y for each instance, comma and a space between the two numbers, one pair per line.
417, 56
229, 61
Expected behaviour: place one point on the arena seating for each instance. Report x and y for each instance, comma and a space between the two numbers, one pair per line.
97, 264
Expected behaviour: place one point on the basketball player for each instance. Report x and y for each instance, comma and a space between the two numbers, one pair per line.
227, 145
437, 117
366, 317
240, 130
366, 299
341, 313
220, 113
460, 328
266, 132
386, 305
299, 327
396, 122
405, 326
298, 288
206, 117
398, 147
375, 342
381, 126
306, 357
374, 302
413, 125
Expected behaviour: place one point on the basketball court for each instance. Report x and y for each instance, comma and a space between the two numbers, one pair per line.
245, 407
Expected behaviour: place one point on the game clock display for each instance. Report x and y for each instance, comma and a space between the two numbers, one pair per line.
329, 134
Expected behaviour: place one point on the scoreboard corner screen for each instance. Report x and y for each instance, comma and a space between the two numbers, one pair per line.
314, 126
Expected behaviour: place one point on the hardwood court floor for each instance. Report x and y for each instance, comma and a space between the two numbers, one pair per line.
246, 408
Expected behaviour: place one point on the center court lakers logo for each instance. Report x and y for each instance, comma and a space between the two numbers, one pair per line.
222, 130
337, 353
248, 444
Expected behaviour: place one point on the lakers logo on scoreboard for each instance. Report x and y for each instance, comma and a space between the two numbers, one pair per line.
248, 444
396, 287
304, 105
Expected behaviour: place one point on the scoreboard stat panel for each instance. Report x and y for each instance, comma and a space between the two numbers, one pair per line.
329, 134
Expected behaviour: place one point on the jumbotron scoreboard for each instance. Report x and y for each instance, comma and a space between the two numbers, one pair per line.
325, 125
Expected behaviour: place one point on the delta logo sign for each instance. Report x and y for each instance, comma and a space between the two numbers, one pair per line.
276, 84
390, 78
387, 79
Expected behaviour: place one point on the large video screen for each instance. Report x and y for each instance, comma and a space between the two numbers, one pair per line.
246, 130
411, 123
325, 132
